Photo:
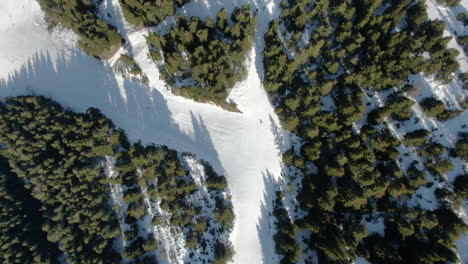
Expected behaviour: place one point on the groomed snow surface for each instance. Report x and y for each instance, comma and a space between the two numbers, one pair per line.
245, 147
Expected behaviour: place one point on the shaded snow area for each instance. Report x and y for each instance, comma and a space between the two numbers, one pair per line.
361, 260
23, 33
374, 225
242, 146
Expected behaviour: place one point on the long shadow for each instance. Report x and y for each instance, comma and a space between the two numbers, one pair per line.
266, 225
451, 18
80, 82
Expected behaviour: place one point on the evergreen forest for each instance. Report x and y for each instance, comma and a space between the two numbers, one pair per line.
338, 74
73, 188
203, 60
348, 164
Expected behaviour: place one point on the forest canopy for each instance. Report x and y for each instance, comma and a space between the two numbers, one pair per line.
149, 13
59, 178
204, 59
325, 63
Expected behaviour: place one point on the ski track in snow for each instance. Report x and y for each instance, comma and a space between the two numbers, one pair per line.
244, 147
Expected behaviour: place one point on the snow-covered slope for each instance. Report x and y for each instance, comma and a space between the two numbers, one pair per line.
241, 146
22, 30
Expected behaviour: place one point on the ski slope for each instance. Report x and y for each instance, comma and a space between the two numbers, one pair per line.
243, 146
240, 145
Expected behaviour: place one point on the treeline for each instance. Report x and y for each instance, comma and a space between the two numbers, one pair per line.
322, 59
97, 38
204, 59
59, 203
149, 13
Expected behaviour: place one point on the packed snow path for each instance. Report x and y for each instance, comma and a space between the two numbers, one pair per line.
243, 146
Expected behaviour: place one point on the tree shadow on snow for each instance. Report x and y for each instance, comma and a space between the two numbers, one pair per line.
450, 18
447, 131
266, 224
79, 82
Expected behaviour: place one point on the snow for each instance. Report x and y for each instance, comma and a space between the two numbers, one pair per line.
446, 132
453, 27
375, 226
206, 200
116, 199
462, 245
243, 147
361, 260
23, 32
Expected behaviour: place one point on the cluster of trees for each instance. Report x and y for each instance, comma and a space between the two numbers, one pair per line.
149, 13
362, 44
223, 253
416, 138
203, 59
342, 64
359, 180
436, 108
55, 198
422, 237
397, 106
285, 238
461, 147
463, 17
130, 64
158, 172
463, 42
322, 58
449, 2
463, 77
98, 38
